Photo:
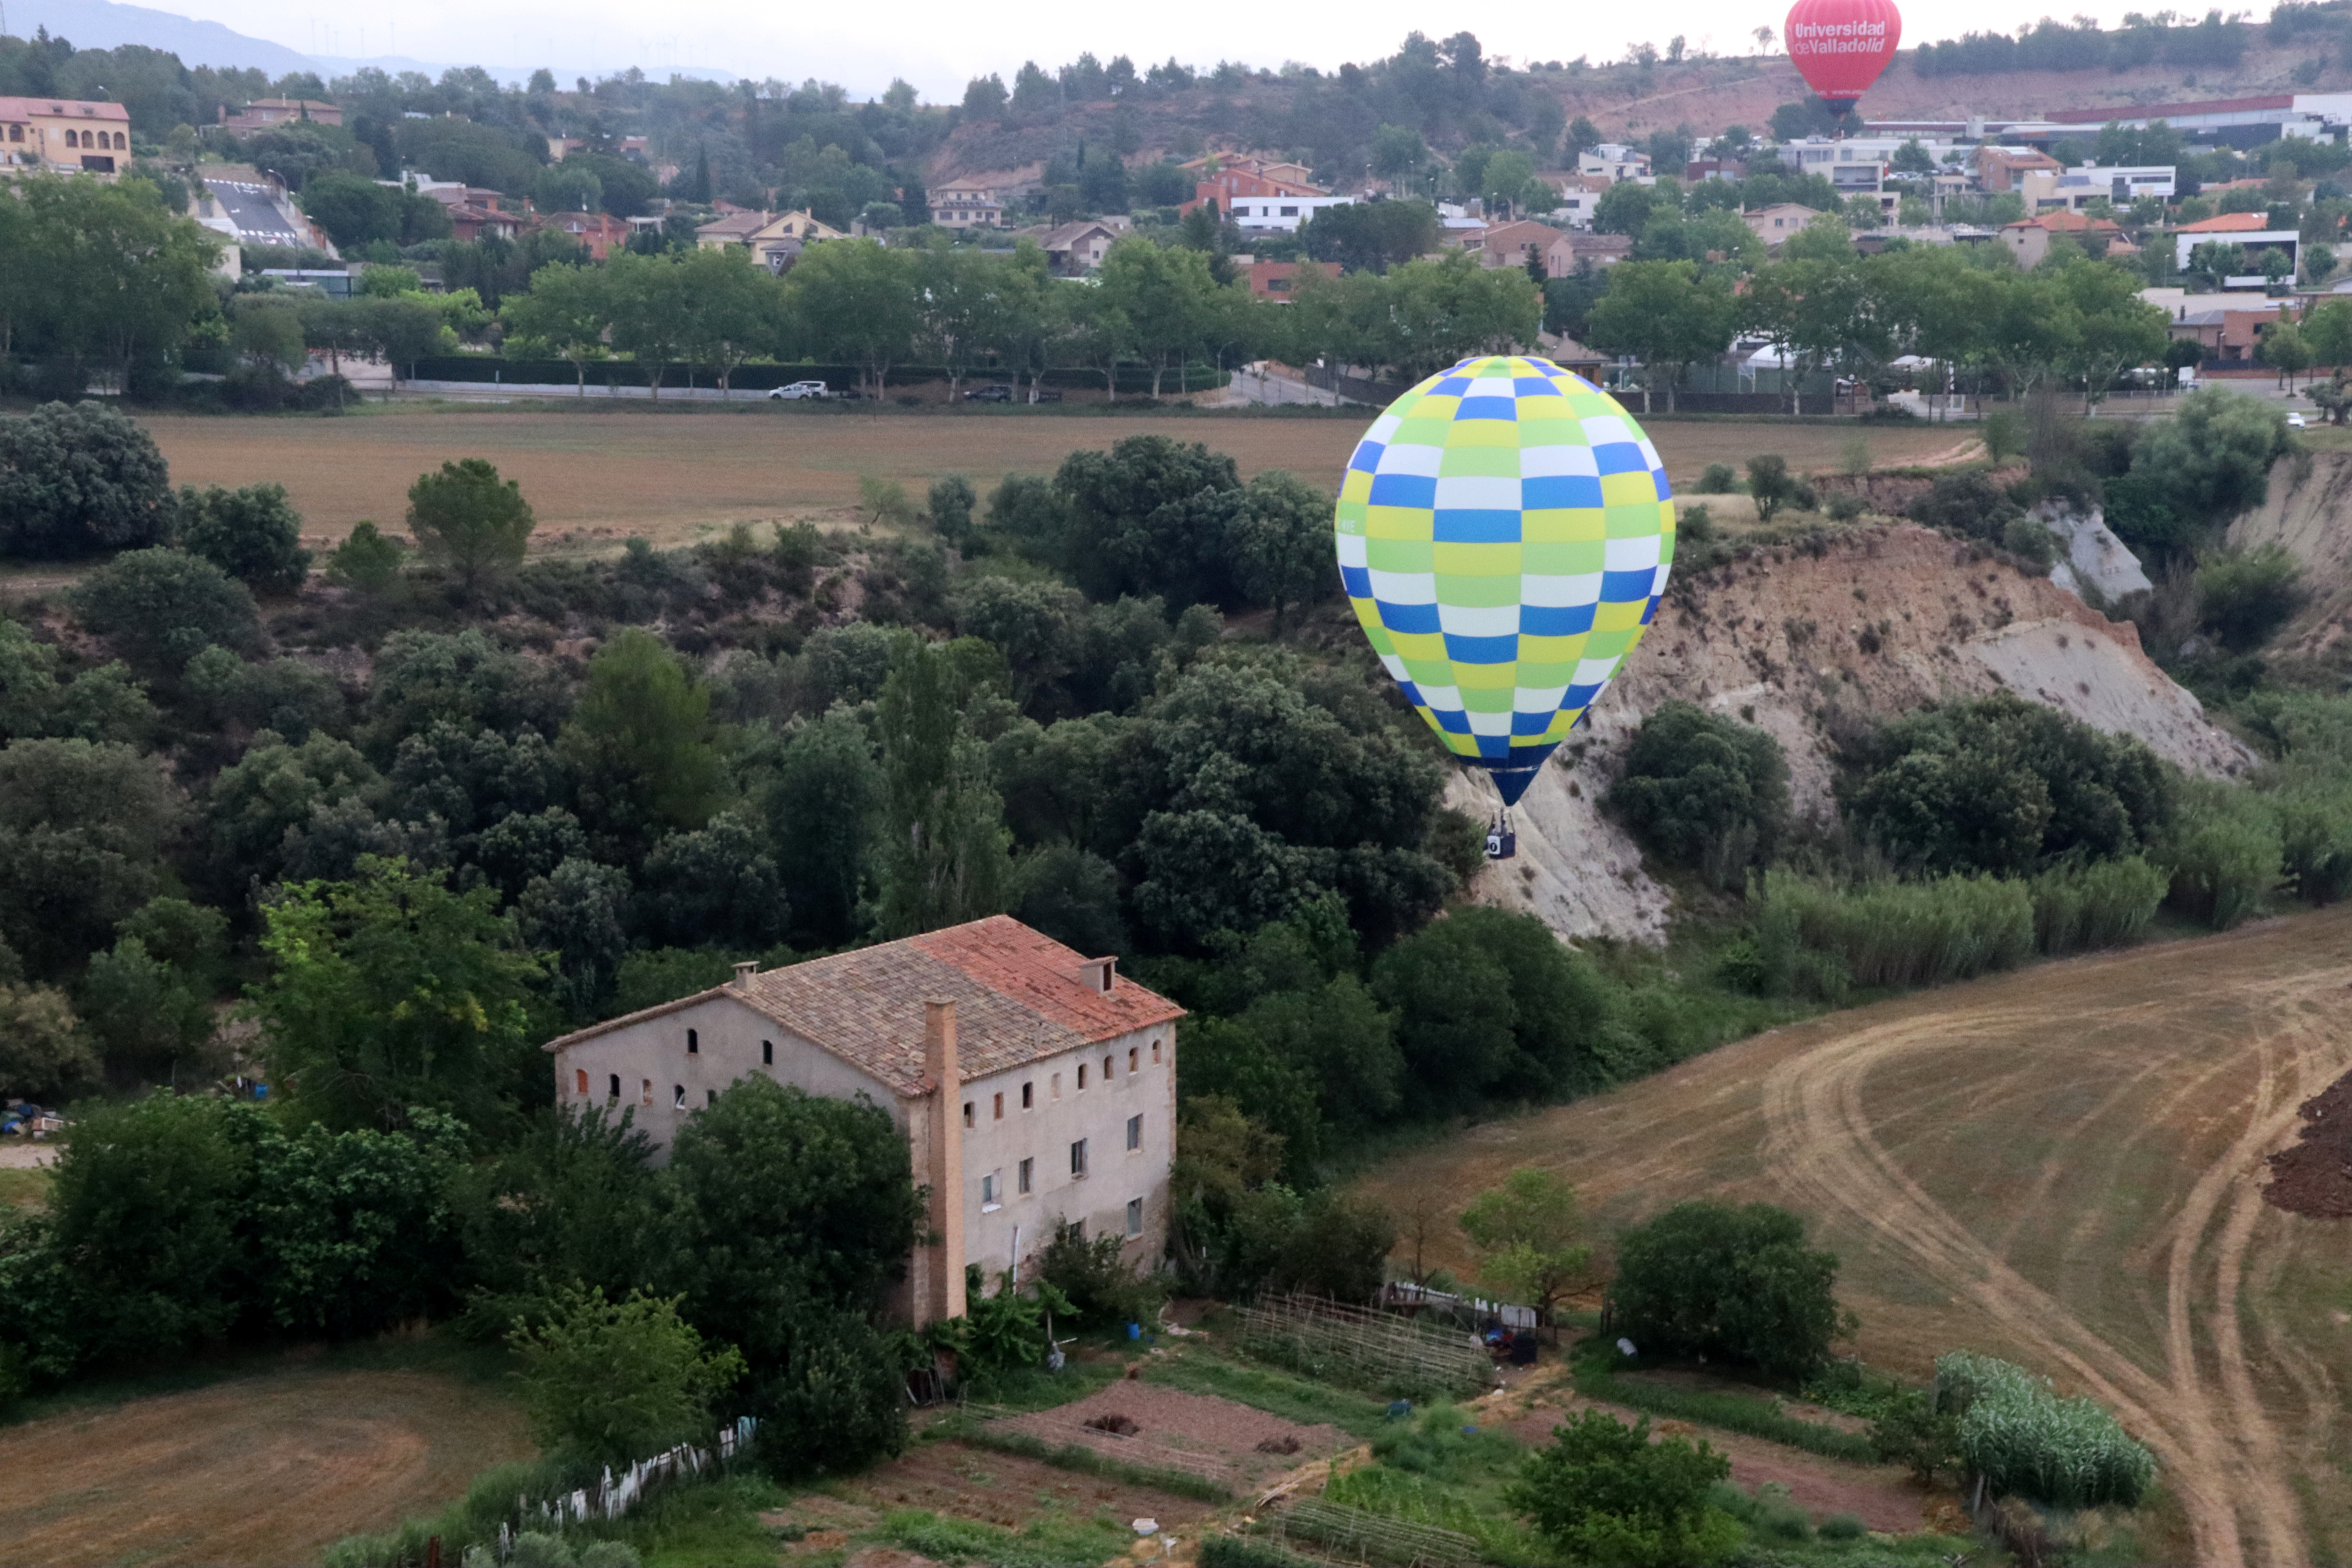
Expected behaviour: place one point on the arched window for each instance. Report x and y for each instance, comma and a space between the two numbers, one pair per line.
693, 1044
616, 1091
73, 139
120, 144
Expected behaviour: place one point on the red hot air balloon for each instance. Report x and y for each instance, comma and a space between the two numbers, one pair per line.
1840, 46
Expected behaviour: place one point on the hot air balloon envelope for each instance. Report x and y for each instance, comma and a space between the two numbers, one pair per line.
1505, 531
1840, 46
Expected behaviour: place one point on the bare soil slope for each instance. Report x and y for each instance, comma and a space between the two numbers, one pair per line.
2309, 511
1882, 620
2063, 1166
260, 1472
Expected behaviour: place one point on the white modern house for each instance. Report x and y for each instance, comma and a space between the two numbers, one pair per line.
1036, 1089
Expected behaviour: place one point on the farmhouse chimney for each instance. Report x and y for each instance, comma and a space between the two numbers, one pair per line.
945, 1296
743, 973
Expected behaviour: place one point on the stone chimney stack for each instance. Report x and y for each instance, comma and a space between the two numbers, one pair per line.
743, 973
945, 1177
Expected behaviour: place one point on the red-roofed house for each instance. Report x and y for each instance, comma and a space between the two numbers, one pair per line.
2227, 223
2028, 240
601, 233
2250, 230
1036, 1088
1507, 245
65, 134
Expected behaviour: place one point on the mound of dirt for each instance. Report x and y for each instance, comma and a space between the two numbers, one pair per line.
1811, 642
2314, 1177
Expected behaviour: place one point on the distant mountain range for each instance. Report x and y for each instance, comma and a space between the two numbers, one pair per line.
104, 25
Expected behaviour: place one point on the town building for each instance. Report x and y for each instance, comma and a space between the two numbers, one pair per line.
601, 233
2250, 230
2029, 239
1614, 161
2237, 122
2002, 169
1036, 1089
1509, 245
262, 113
1278, 281
68, 134
1580, 194
2072, 190
966, 207
1780, 221
1075, 248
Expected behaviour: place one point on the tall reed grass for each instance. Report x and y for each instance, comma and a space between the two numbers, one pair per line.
2105, 903
2022, 1438
2225, 854
1889, 933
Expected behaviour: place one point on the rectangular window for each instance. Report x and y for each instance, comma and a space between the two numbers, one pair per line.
677, 1097
583, 1086
709, 1097
1000, 1109
1028, 1177
1106, 1069
1155, 1053
1057, 1086
693, 1044
966, 1113
1135, 1216
646, 1097
1077, 1159
1134, 1133
1081, 1076
1028, 1096
1134, 1056
1291, 212
615, 1093
767, 1053
992, 1191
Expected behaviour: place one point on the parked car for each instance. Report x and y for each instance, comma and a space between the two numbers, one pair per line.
2297, 422
800, 390
995, 392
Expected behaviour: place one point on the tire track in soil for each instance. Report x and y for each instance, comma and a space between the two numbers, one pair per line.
2221, 1451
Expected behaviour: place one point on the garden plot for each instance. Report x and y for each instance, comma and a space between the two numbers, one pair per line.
1157, 1427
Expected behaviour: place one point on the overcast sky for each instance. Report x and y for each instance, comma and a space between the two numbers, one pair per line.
938, 45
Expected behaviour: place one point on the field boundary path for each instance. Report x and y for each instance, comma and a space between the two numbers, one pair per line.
2063, 1166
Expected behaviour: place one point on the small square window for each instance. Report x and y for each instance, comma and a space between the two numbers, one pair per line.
967, 1113
677, 1097
999, 1116
1028, 1096
1134, 1133
1077, 1159
767, 1053
1135, 1216
1028, 1175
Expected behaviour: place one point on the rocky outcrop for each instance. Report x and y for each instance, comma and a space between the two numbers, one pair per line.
2309, 511
1809, 642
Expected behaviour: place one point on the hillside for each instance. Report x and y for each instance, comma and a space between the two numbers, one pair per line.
2062, 1166
1810, 645
2304, 513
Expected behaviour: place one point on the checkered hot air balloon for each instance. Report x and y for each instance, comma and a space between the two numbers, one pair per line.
1505, 531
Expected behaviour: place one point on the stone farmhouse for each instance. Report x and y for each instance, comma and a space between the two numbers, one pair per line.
1036, 1089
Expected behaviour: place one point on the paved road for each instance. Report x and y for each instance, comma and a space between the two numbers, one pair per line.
256, 217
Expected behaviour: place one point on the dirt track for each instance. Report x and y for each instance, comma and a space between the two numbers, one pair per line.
2063, 1167
260, 1472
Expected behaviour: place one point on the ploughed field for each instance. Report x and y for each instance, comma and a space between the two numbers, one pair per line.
603, 475
263, 1470
2063, 1166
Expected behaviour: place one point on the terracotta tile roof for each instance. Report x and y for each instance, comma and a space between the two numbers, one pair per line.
1018, 995
2227, 223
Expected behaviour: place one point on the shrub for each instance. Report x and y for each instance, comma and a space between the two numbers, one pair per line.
884, 501
612, 1382
44, 1053
1738, 1284
1096, 1279
79, 477
368, 559
1918, 1436
1718, 480
1606, 1493
2225, 854
466, 518
950, 503
1845, 506
1893, 933
2247, 595
1704, 791
2104, 904
2022, 1438
162, 607
2031, 542
254, 534
1771, 484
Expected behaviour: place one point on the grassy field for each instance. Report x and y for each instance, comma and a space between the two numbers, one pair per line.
675, 476
264, 1467
2063, 1167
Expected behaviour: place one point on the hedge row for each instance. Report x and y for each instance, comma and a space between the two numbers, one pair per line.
489, 368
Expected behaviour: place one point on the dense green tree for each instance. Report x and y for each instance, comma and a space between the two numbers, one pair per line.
1530, 1239
45, 1055
100, 704
2204, 466
1668, 314
254, 534
391, 991
823, 805
574, 914
639, 743
141, 276
1701, 790
83, 828
351, 1231
147, 1015
1607, 1492
79, 477
715, 887
1151, 515
467, 519
354, 211
942, 857
1071, 895
256, 803
1731, 1283
853, 301
158, 608
464, 678
1281, 539
565, 313
611, 1382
